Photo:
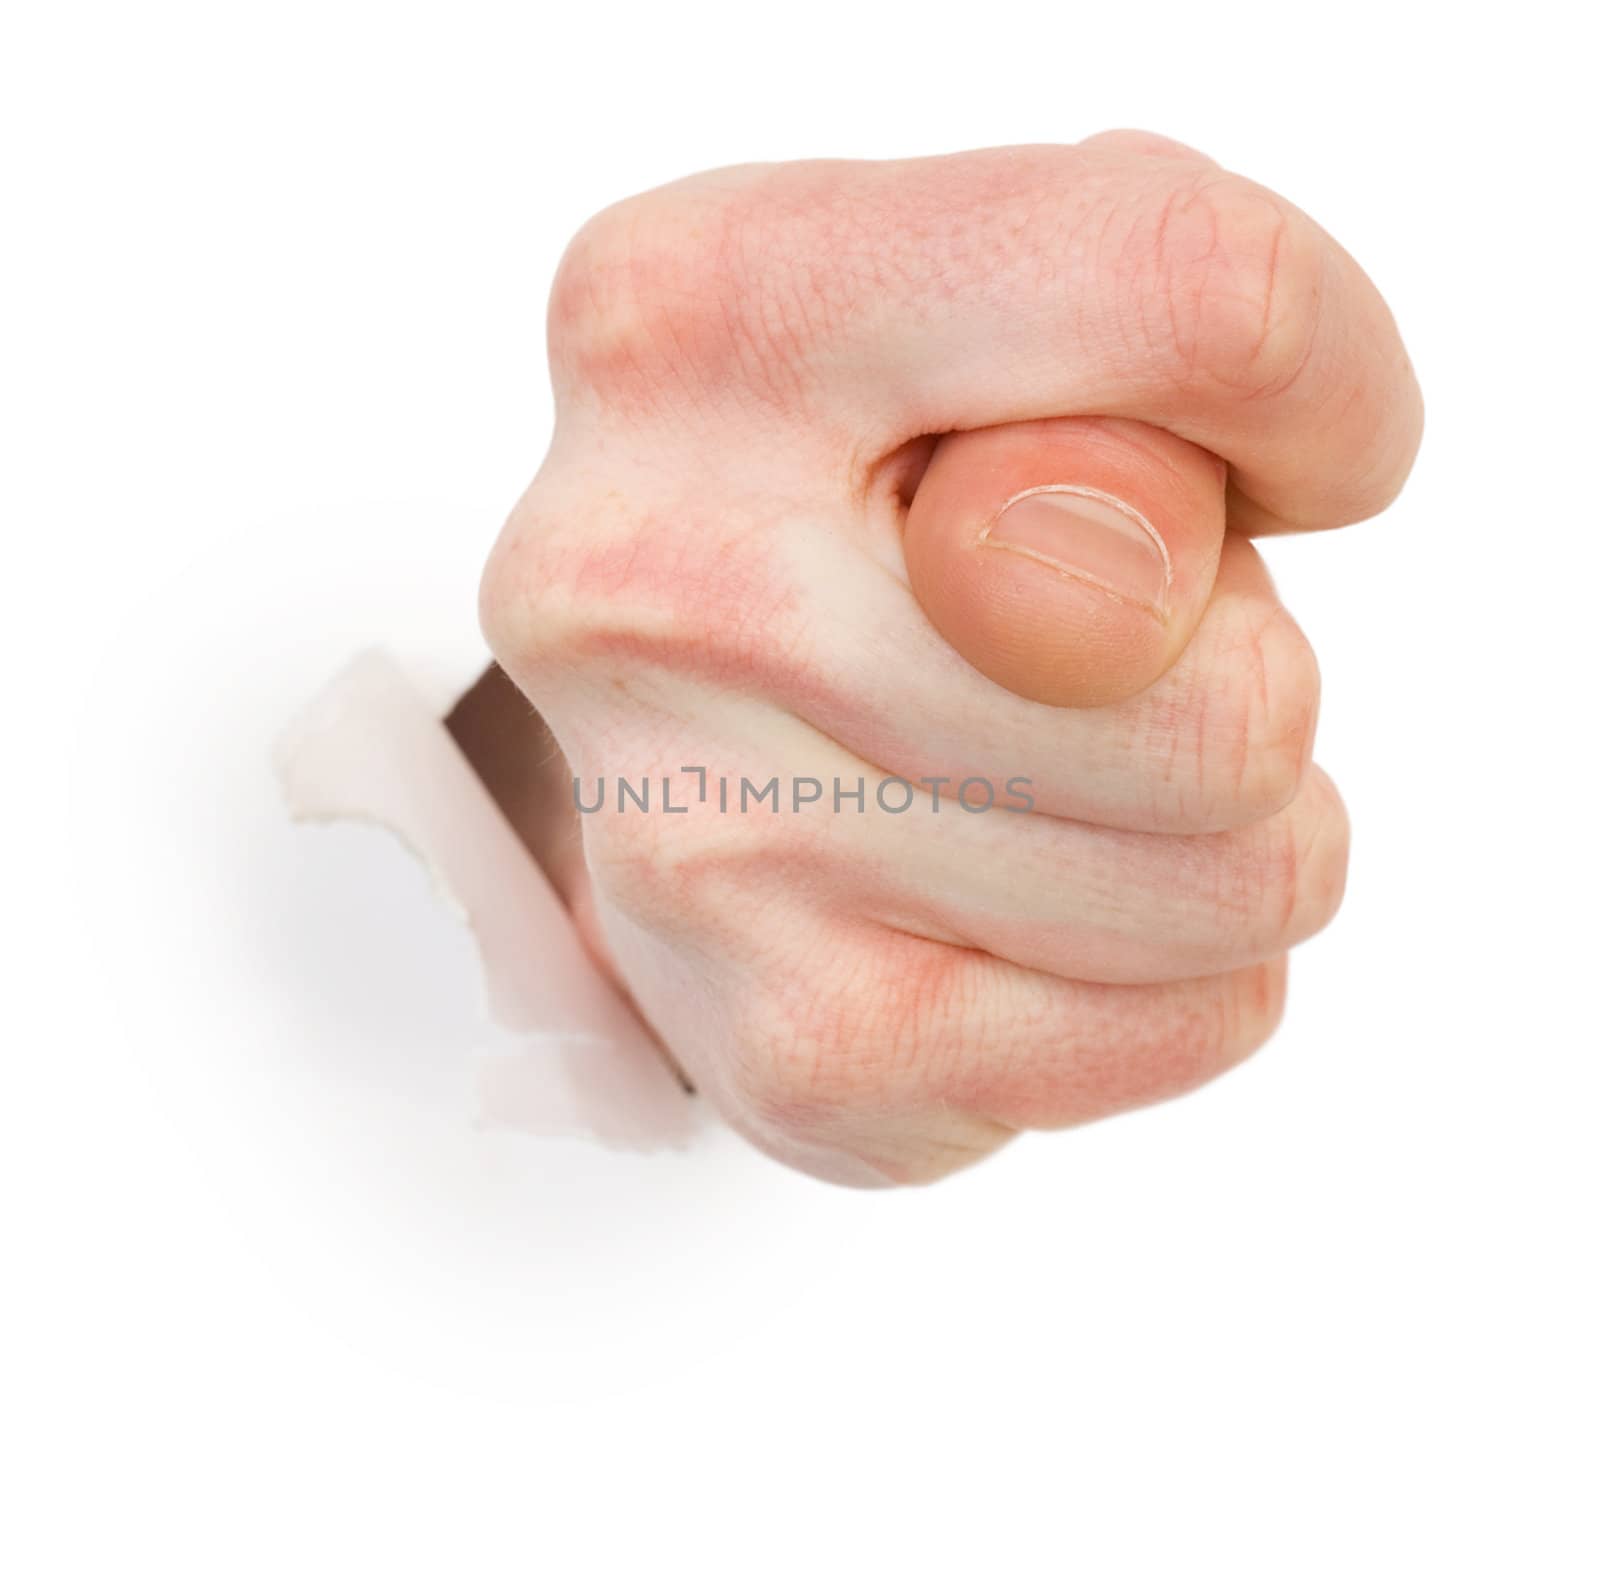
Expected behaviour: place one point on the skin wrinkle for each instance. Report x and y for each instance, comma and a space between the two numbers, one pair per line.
1273, 257
811, 317
1263, 703
1196, 273
1310, 315
768, 351
1161, 253
1175, 275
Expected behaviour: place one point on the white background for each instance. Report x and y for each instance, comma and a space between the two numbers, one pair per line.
273, 375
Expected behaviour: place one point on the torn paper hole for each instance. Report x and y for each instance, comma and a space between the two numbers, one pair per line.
565, 1055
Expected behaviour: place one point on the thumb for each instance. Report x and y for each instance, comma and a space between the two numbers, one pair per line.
1068, 559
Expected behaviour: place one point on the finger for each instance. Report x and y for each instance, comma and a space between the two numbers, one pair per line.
1069, 560
1203, 303
1099, 905
780, 819
999, 1048
884, 301
1070, 1052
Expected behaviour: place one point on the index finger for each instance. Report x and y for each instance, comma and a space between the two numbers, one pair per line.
922, 296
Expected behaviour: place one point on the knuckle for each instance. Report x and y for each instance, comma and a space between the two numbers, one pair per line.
829, 1056
804, 1091
1321, 859
678, 297
707, 868
1241, 718
785, 1074
1273, 690
509, 624
591, 587
1273, 882
658, 874
1211, 1031
1229, 286
1285, 878
624, 294
532, 604
1222, 1026
1189, 1047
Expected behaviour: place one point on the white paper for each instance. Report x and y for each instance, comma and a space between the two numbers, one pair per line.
565, 1054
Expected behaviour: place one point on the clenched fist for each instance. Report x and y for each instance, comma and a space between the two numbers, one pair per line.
941, 747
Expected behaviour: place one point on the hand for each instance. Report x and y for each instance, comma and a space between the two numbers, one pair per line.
944, 471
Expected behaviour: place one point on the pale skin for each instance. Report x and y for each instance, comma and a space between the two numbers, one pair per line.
793, 402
